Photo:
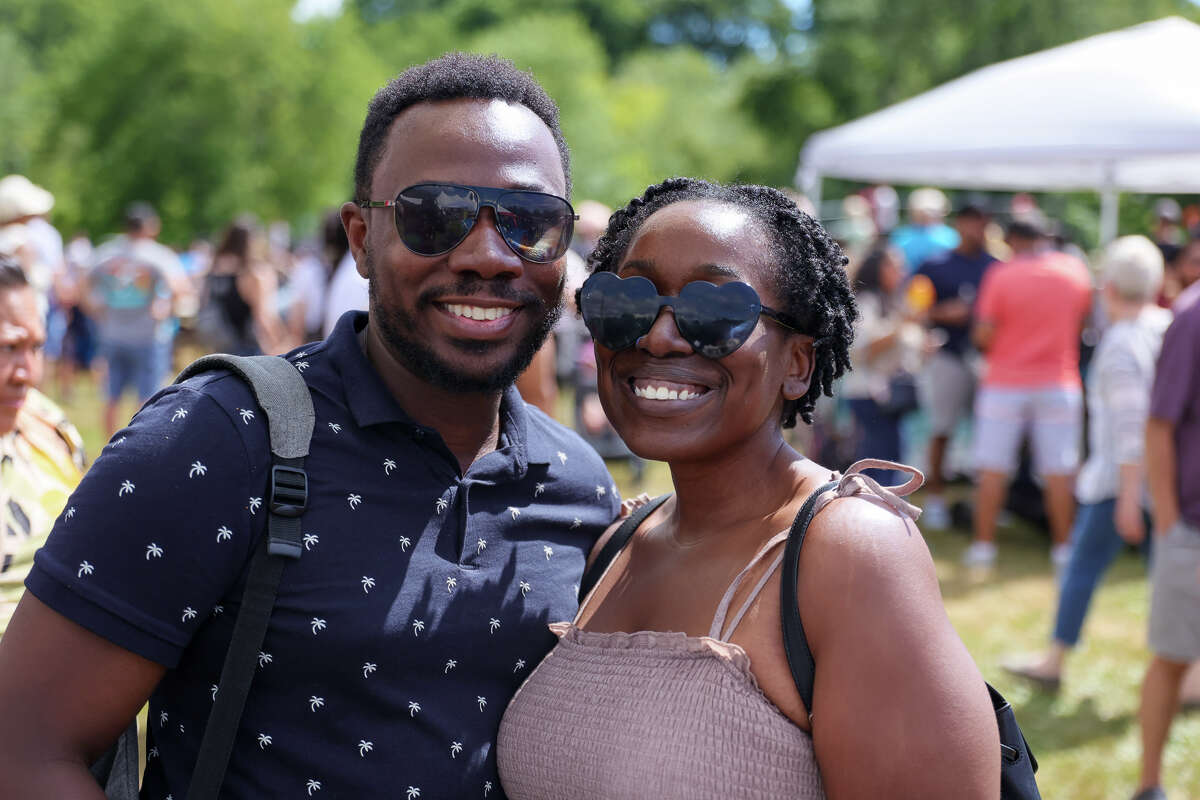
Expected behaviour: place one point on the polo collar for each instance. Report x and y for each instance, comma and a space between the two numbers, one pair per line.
370, 402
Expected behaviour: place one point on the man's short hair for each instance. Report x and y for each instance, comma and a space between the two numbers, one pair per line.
1027, 227
139, 216
11, 274
1133, 266
454, 76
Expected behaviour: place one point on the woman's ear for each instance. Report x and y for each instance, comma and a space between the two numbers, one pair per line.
801, 362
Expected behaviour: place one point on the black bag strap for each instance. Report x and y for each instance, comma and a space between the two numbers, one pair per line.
795, 643
615, 544
284, 397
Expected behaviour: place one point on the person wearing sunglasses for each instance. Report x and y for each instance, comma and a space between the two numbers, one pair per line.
720, 314
446, 521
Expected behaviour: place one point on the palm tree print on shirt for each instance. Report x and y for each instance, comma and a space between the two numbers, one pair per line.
482, 701
417, 626
405, 543
318, 624
84, 569
368, 668
412, 793
451, 582
189, 613
162, 719
353, 500
388, 466
246, 415
601, 491
538, 489
180, 413
524, 587
364, 747
263, 741
197, 469
493, 624
254, 503
126, 488
562, 457
153, 551
441, 505
413, 708
301, 366
487, 788
333, 426
368, 583
455, 749
548, 550
311, 540
575, 523
224, 534
264, 658
70, 512
480, 545
312, 786
450, 664
315, 702
520, 665
516, 512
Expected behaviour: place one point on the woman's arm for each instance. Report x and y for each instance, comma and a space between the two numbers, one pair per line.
900, 709
257, 286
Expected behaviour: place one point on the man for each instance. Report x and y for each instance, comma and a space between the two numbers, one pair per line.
1185, 275
949, 380
1030, 313
926, 234
447, 523
1172, 463
131, 290
41, 455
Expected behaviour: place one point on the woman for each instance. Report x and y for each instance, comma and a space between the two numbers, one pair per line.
885, 358
649, 692
239, 314
1111, 486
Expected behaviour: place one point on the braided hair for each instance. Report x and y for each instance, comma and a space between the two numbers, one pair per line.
809, 275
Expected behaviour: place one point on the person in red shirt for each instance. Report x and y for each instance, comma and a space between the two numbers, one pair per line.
1029, 316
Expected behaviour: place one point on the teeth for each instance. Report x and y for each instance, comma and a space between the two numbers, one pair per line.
663, 393
478, 312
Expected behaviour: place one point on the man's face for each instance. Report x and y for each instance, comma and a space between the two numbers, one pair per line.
22, 339
971, 229
422, 306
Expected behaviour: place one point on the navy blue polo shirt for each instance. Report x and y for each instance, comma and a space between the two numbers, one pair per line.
418, 607
956, 276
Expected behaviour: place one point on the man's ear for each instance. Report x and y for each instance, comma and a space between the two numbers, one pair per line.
356, 234
801, 362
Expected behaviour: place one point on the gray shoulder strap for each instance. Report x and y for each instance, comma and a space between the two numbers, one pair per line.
280, 391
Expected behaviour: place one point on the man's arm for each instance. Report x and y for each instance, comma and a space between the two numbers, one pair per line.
67, 695
1161, 467
981, 335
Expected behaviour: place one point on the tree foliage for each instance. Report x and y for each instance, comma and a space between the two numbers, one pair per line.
214, 107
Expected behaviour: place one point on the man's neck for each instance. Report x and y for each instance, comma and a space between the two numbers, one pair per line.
468, 422
969, 251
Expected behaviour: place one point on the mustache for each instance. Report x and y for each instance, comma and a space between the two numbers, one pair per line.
477, 287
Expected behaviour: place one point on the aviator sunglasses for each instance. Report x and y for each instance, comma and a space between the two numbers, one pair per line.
434, 218
715, 320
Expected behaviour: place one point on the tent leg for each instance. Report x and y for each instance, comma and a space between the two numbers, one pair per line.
1110, 200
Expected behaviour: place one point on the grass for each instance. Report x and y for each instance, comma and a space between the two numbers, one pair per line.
1086, 737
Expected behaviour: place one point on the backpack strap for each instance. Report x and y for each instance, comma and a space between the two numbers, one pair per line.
795, 643
615, 544
284, 396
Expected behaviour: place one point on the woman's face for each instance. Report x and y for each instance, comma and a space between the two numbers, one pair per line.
890, 273
728, 400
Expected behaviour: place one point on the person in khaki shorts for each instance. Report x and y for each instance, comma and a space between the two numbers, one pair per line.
1172, 462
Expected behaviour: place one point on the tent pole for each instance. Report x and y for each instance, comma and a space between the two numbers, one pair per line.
1110, 199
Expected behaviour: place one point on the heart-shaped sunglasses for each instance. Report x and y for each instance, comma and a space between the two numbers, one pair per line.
715, 320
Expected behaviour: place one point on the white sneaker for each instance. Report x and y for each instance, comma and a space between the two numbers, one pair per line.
980, 554
1060, 555
935, 515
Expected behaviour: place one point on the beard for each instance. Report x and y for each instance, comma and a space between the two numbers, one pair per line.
398, 329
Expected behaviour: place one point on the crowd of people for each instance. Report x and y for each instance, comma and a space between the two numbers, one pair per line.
422, 314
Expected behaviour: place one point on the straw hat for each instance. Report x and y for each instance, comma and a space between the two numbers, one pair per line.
21, 197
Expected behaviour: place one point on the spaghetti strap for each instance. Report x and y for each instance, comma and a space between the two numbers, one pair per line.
715, 630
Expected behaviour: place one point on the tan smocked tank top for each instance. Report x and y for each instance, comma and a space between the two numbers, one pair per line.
661, 715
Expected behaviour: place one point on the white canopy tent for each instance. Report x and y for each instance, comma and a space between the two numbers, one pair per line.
1115, 112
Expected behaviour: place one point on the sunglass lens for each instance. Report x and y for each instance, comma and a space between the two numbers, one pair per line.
433, 218
716, 320
536, 226
618, 311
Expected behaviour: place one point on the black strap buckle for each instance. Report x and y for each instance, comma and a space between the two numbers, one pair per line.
289, 491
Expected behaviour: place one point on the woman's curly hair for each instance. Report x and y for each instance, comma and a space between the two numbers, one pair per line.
810, 269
